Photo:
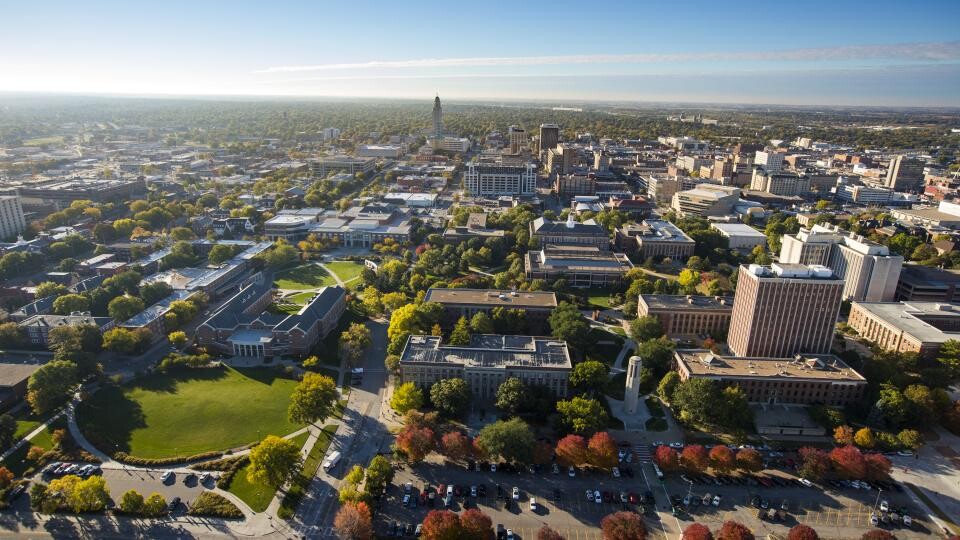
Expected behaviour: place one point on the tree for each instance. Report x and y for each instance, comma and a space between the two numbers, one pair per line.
441, 525
802, 532
878, 466
8, 428
416, 442
155, 505
6, 477
697, 399
281, 255
406, 397
313, 399
623, 526
273, 461
603, 450
546, 533
572, 451
88, 495
511, 395
50, 385
749, 460
476, 525
481, 323
568, 324
460, 335
848, 462
732, 530
696, 531
177, 338
124, 341
722, 459
814, 463
50, 288
354, 522
151, 293
668, 385
455, 445
11, 336
688, 278
843, 435
910, 438
379, 474
694, 458
582, 415
590, 375
949, 357
123, 308
864, 438
450, 396
35, 453
131, 502
666, 458
645, 328
879, 534
71, 303
219, 254
353, 341
511, 440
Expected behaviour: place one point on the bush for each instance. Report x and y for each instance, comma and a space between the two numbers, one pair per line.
214, 505
227, 476
224, 464
123, 457
175, 361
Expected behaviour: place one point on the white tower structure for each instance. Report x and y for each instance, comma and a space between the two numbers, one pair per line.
631, 396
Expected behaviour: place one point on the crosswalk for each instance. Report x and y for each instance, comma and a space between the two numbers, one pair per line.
643, 453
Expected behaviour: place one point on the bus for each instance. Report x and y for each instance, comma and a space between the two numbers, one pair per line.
331, 461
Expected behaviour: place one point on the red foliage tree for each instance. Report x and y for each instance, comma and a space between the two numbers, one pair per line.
848, 462
878, 466
697, 531
749, 460
542, 453
814, 463
546, 533
6, 477
476, 525
722, 458
877, 534
354, 521
455, 445
415, 442
623, 526
694, 458
441, 525
732, 530
603, 450
572, 451
802, 532
666, 458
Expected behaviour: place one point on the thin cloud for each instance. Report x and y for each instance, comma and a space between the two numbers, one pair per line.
934, 51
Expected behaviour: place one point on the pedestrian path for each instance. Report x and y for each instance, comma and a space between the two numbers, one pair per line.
30, 436
643, 453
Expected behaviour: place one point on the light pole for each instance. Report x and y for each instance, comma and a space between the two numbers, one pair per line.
875, 503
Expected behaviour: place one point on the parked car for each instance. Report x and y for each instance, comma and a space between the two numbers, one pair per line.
174, 503
597, 498
168, 476
590, 495
616, 472
533, 504
571, 472
516, 493
884, 506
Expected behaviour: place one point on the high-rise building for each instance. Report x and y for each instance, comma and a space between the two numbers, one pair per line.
518, 139
706, 200
549, 137
904, 173
784, 309
437, 119
772, 162
869, 271
12, 222
499, 179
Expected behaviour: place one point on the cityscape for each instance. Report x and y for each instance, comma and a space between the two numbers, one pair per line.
349, 286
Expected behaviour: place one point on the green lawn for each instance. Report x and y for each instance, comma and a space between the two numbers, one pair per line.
301, 438
188, 412
300, 298
310, 465
345, 270
17, 461
43, 141
26, 422
599, 297
257, 496
305, 276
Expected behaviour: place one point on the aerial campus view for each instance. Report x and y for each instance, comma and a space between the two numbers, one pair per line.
536, 270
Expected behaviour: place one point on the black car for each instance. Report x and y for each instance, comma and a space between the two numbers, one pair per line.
174, 503
647, 497
410, 528
556, 494
16, 492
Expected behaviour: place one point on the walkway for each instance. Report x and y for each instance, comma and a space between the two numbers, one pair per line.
39, 429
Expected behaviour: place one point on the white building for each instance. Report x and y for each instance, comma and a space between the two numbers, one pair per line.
493, 179
740, 236
869, 271
453, 144
771, 161
12, 222
392, 151
330, 134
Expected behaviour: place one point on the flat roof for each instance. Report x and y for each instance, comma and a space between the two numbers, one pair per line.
489, 351
737, 229
13, 374
680, 301
908, 317
810, 367
492, 297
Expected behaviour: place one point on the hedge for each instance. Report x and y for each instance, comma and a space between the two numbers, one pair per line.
123, 457
212, 504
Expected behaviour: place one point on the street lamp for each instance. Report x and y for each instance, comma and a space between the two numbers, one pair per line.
875, 503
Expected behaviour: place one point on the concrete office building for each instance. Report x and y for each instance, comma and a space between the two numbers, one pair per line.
59, 194
919, 327
782, 183
517, 137
12, 221
572, 185
654, 238
486, 362
688, 315
580, 265
904, 174
352, 165
771, 161
784, 309
481, 179
802, 379
870, 272
740, 236
536, 305
588, 233
549, 137
928, 284
706, 200
561, 159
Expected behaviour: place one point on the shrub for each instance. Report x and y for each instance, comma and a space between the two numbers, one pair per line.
214, 505
227, 476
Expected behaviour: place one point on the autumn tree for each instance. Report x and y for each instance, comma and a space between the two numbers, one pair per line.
353, 341
572, 451
407, 396
475, 525
732, 530
354, 522
848, 462
455, 445
696, 531
880, 534
722, 459
802, 532
131, 502
313, 399
441, 525
273, 461
694, 458
878, 467
415, 442
749, 460
814, 463
546, 533
666, 458
623, 526
843, 435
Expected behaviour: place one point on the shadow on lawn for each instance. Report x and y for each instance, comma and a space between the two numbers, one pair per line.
109, 418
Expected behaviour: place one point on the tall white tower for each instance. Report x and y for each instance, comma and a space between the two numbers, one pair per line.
437, 119
631, 395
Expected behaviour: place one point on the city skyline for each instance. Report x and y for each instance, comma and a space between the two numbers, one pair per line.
823, 54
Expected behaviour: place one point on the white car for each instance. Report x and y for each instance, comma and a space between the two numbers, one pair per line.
905, 453
167, 476
616, 472
874, 520
676, 445
533, 504
621, 454
716, 500
597, 498
589, 495
509, 534
806, 482
493, 467
516, 493
907, 520
473, 491
884, 506
571, 472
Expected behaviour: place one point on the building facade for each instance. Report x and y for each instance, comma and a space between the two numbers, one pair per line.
919, 327
706, 200
588, 233
12, 221
580, 265
535, 305
493, 179
688, 315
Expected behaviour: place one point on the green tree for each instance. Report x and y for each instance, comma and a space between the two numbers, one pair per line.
910, 438
273, 461
379, 474
481, 323
450, 396
657, 355
353, 341
8, 428
89, 495
582, 415
131, 502
590, 375
668, 385
568, 324
11, 336
697, 399
511, 396
313, 399
50, 288
949, 357
50, 385
120, 340
408, 396
71, 303
688, 278
123, 308
155, 505
511, 440
460, 335
219, 254
645, 328
282, 255
177, 338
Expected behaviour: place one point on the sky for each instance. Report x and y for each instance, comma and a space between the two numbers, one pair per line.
814, 53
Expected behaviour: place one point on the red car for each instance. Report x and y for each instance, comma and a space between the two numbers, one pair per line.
456, 490
423, 498
607, 497
633, 498
441, 490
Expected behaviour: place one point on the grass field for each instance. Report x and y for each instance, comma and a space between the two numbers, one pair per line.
599, 297
26, 422
43, 141
17, 461
345, 270
300, 298
310, 465
188, 412
257, 496
305, 276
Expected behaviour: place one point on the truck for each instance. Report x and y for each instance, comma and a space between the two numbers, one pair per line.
331, 461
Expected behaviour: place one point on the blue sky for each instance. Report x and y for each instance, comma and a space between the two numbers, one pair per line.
848, 53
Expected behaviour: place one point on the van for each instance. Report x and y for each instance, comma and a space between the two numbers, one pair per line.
657, 470
331, 461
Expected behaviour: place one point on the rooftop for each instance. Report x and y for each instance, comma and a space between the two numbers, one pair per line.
910, 318
489, 350
13, 374
679, 301
812, 367
492, 297
737, 229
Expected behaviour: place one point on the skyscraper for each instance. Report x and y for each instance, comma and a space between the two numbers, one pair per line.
437, 119
904, 173
549, 136
518, 139
784, 309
